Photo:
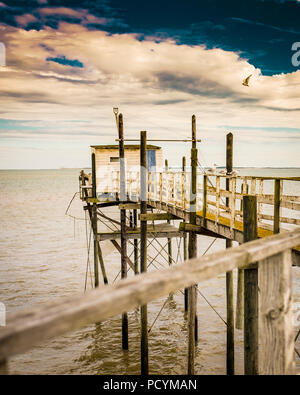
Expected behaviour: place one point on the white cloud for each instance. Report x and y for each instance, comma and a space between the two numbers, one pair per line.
157, 85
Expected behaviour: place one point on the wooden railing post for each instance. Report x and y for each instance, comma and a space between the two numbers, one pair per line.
276, 332
239, 319
123, 225
276, 226
143, 251
250, 291
204, 212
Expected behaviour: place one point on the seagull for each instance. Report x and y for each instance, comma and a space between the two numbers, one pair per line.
212, 169
234, 173
246, 80
222, 172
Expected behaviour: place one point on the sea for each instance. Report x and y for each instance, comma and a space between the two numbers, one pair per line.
44, 256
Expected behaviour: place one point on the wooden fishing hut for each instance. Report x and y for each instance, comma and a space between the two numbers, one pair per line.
107, 163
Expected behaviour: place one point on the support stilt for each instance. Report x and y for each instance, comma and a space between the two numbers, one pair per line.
185, 243
192, 321
95, 222
123, 225
229, 275
143, 251
135, 243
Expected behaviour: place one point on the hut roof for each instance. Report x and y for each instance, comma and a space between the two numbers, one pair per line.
132, 147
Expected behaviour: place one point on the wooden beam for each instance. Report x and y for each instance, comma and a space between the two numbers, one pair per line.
136, 234
129, 206
186, 227
33, 325
276, 315
104, 204
157, 217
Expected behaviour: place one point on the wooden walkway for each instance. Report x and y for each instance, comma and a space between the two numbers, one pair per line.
169, 192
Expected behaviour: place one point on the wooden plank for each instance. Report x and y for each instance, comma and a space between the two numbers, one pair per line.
276, 315
185, 227
129, 206
157, 217
33, 325
92, 200
137, 235
287, 220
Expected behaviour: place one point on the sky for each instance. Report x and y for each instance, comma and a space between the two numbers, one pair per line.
68, 63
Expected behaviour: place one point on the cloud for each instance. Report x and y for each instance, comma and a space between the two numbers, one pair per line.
25, 19
157, 84
52, 16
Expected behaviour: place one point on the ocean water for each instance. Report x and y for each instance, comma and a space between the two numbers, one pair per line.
44, 256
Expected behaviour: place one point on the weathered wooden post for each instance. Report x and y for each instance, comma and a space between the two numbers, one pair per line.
192, 296
229, 275
170, 258
276, 226
95, 221
204, 211
143, 250
250, 291
123, 224
276, 330
135, 244
185, 244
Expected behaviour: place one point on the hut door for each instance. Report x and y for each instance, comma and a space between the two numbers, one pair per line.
151, 165
151, 160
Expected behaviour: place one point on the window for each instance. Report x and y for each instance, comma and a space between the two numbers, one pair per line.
114, 159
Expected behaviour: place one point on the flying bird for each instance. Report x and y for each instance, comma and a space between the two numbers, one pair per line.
246, 80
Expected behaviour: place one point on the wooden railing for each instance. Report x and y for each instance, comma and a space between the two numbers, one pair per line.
276, 205
273, 254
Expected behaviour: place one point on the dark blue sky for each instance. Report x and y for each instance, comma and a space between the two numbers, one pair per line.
262, 31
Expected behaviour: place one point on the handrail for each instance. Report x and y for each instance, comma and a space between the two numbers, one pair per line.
28, 328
